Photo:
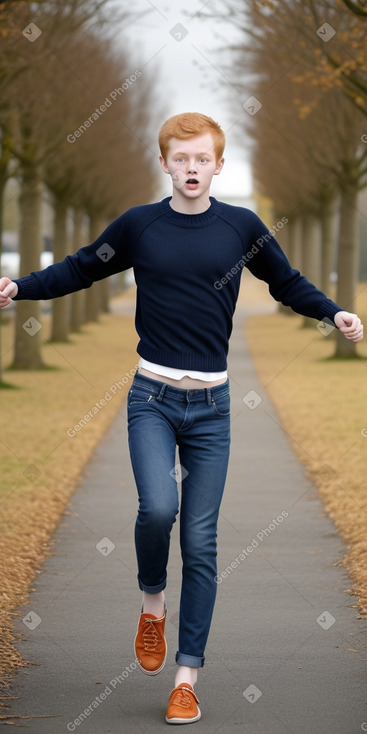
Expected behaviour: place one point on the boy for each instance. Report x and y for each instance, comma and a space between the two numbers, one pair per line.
180, 249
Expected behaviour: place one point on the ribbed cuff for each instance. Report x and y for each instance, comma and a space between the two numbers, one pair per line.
19, 294
329, 309
27, 288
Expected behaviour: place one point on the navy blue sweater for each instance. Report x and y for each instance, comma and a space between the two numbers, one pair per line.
188, 270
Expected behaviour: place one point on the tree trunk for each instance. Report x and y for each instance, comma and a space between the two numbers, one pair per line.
283, 238
311, 255
28, 326
5, 158
105, 295
293, 251
3, 179
328, 239
295, 242
77, 317
347, 259
93, 294
105, 286
60, 306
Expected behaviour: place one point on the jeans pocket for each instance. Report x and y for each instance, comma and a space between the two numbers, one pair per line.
139, 396
221, 404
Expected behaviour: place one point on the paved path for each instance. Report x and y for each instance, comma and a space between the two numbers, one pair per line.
278, 659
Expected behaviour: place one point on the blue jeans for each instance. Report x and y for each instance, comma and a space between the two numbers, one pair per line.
198, 422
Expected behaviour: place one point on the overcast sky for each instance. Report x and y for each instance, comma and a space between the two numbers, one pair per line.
184, 51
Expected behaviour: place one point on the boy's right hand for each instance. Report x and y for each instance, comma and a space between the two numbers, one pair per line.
8, 290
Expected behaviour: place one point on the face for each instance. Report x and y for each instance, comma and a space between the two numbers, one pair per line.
192, 165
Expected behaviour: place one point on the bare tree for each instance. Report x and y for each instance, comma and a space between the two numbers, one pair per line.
357, 8
41, 72
311, 139
329, 40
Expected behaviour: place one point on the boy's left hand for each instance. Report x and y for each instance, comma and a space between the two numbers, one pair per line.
350, 325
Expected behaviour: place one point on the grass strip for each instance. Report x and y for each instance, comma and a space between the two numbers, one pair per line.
321, 403
51, 423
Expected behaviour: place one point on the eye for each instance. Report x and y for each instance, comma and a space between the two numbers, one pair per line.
203, 160
180, 160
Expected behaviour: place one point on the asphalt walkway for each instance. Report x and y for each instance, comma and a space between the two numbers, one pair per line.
285, 652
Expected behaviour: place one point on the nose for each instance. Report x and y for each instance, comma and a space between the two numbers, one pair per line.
191, 167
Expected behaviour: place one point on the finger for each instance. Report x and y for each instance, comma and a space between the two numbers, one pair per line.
352, 326
356, 324
356, 336
6, 293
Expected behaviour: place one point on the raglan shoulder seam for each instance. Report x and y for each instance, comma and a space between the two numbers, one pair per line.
144, 215
227, 216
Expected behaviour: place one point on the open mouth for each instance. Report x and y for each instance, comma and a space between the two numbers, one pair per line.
192, 183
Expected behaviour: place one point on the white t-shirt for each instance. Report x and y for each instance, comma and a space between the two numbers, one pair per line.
177, 374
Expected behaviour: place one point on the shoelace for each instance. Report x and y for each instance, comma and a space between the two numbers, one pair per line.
182, 699
150, 636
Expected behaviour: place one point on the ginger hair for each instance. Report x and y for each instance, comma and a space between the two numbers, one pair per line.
189, 125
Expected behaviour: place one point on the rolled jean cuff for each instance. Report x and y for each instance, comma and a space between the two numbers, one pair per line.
152, 589
191, 661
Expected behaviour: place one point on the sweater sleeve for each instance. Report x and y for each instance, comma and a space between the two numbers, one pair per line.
266, 260
110, 253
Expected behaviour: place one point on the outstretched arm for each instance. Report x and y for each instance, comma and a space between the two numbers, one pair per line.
110, 253
290, 287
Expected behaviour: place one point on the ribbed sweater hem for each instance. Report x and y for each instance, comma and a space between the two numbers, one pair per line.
181, 360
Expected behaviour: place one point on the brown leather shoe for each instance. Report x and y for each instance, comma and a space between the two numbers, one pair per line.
150, 643
183, 705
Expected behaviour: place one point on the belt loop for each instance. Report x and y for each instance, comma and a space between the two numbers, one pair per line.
162, 391
208, 393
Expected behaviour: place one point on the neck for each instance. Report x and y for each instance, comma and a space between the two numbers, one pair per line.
189, 206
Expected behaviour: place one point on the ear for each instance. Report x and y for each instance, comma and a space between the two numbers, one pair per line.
163, 164
219, 167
